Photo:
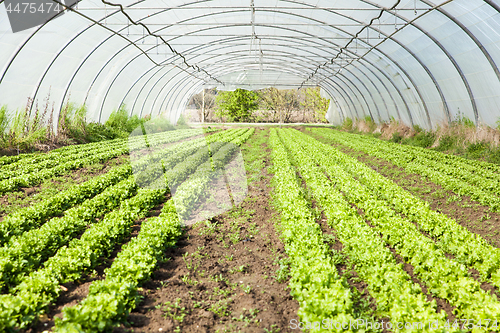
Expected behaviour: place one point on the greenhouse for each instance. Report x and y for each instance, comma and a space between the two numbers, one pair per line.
416, 61
249, 166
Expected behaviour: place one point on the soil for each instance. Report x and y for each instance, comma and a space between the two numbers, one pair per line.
25, 197
220, 277
73, 292
361, 286
364, 303
37, 148
468, 213
465, 211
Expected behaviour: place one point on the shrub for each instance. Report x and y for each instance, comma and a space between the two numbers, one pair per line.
98, 132
396, 137
4, 122
347, 124
446, 142
423, 139
461, 119
494, 155
417, 128
370, 123
157, 125
476, 150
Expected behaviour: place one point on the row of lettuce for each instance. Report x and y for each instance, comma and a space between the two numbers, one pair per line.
477, 179
109, 301
31, 171
340, 185
34, 264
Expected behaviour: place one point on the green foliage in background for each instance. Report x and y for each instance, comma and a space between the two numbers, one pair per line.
237, 105
23, 129
122, 123
461, 119
315, 104
423, 139
4, 122
347, 124
371, 124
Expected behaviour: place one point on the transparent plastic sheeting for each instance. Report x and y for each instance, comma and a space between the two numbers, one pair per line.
204, 179
421, 62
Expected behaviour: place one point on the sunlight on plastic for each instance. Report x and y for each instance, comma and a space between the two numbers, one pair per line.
205, 180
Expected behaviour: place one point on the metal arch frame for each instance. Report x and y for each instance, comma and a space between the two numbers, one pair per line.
341, 112
215, 73
493, 5
410, 115
411, 22
360, 103
415, 86
444, 50
151, 90
133, 84
183, 106
131, 87
454, 63
328, 88
424, 66
67, 44
176, 94
472, 36
344, 94
87, 17
378, 91
390, 94
274, 56
436, 85
353, 92
153, 86
155, 74
161, 91
386, 56
144, 85
477, 42
349, 112
286, 13
179, 103
137, 96
229, 70
339, 77
301, 32
370, 93
373, 65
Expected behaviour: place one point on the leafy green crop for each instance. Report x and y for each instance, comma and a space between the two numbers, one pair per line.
315, 282
397, 296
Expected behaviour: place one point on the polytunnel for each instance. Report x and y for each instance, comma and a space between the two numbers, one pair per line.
420, 62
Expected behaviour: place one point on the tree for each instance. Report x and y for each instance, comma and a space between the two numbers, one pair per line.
280, 103
238, 105
317, 105
205, 101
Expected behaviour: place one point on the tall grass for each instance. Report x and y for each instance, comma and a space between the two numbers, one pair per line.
4, 122
32, 128
461, 136
26, 127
